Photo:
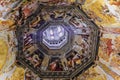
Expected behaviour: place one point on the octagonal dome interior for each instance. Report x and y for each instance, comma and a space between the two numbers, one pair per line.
62, 43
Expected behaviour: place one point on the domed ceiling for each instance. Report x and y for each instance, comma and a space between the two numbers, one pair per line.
61, 45
59, 40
